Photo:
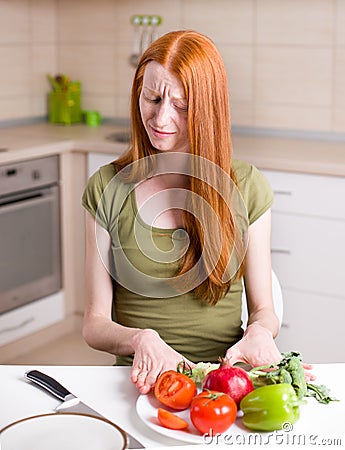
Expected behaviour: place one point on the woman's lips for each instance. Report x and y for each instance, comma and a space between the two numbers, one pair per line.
160, 133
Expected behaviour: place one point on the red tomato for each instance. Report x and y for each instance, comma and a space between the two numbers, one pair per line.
212, 412
170, 420
174, 389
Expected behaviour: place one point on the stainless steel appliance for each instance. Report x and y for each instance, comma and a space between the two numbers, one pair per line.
30, 260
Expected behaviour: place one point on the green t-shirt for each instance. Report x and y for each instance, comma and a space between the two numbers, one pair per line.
144, 258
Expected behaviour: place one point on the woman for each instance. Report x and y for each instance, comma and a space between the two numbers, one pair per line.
164, 267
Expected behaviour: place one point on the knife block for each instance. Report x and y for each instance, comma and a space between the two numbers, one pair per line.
65, 106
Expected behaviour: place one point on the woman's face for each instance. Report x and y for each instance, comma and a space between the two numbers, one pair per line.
163, 109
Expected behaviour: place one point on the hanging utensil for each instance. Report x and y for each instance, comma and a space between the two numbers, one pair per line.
145, 32
155, 22
145, 35
136, 21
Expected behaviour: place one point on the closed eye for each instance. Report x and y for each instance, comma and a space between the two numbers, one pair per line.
181, 107
152, 99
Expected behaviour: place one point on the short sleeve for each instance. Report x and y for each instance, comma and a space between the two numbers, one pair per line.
93, 193
255, 189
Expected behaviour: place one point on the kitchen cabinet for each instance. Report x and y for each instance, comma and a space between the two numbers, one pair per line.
312, 325
308, 246
34, 316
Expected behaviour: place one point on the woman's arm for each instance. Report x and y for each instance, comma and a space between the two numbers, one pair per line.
257, 347
99, 331
258, 275
151, 354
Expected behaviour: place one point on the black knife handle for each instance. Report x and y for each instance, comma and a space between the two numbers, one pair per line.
48, 383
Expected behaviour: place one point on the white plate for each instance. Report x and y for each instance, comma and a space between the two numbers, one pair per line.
67, 431
147, 406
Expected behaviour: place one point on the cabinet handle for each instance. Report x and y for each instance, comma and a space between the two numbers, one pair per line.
19, 325
282, 192
281, 251
284, 325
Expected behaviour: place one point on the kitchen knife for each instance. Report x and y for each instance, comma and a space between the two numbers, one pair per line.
71, 403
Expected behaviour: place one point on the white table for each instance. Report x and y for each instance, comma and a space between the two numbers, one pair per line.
110, 391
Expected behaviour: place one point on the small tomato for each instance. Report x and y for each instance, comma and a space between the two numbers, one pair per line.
212, 412
174, 389
170, 420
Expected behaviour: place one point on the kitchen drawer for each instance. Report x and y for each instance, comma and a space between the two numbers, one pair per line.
32, 317
308, 253
314, 326
308, 194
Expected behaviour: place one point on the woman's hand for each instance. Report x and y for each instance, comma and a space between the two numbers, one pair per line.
152, 356
256, 348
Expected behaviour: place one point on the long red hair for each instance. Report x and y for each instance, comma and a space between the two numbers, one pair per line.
195, 60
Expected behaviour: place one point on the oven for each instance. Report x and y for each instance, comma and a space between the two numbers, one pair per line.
30, 256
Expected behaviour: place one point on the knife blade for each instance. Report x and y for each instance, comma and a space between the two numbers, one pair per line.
71, 403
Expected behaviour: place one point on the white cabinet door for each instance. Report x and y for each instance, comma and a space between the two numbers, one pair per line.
308, 248
306, 194
308, 253
313, 325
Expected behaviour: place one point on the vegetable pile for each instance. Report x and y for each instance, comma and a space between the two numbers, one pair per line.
290, 370
268, 396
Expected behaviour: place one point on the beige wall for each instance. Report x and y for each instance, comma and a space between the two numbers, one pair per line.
285, 58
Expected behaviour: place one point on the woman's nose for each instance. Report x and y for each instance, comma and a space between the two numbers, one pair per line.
163, 113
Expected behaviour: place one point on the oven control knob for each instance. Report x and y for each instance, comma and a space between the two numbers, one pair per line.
36, 174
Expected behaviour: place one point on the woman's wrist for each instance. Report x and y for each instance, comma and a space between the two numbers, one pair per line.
142, 334
256, 327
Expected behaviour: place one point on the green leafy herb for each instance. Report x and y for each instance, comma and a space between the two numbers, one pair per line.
289, 370
320, 392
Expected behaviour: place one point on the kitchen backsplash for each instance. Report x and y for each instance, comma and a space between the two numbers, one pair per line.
285, 58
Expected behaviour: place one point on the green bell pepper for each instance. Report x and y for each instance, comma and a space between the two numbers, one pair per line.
267, 408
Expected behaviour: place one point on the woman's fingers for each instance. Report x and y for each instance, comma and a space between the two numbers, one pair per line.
144, 377
307, 374
139, 369
152, 356
134, 374
234, 355
307, 366
143, 380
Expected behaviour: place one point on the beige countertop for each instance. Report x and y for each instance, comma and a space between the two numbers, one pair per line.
294, 155
275, 153
42, 139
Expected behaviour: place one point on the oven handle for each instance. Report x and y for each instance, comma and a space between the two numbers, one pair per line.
32, 199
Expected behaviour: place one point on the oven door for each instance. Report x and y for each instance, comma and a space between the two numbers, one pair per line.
30, 263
